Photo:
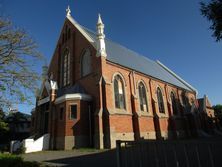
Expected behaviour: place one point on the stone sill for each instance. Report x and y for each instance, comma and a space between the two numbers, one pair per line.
144, 114
119, 112
162, 115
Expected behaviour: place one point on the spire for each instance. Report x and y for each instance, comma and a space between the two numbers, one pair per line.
99, 20
101, 46
68, 11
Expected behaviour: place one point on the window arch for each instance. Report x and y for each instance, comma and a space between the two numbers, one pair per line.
191, 104
185, 102
184, 99
66, 68
142, 97
192, 100
160, 101
119, 92
174, 103
86, 63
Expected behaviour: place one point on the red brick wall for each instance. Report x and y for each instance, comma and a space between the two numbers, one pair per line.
60, 124
121, 123
79, 126
124, 123
146, 124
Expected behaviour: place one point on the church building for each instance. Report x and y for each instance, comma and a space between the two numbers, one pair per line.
97, 91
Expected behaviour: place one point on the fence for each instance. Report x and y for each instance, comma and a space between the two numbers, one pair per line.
169, 153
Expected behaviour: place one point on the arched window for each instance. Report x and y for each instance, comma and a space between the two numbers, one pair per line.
192, 100
191, 104
185, 102
142, 97
119, 92
184, 99
66, 68
86, 63
174, 103
160, 101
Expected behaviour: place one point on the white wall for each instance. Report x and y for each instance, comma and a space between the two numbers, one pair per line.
40, 144
31, 145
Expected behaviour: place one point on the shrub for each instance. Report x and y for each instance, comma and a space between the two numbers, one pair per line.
9, 160
4, 147
20, 150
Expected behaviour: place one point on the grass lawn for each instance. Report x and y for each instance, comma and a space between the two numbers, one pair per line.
10, 160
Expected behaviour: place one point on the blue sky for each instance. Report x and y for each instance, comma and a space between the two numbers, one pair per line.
171, 31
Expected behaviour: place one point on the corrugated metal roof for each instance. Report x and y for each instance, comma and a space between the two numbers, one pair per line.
70, 90
128, 58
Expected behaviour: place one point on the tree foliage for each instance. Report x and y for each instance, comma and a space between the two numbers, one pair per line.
218, 109
18, 59
218, 112
213, 12
3, 125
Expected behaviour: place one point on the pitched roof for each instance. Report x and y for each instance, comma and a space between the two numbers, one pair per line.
70, 90
120, 55
19, 116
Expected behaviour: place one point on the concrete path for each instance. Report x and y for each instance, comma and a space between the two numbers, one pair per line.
75, 158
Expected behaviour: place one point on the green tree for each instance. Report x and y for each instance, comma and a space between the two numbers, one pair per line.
18, 59
213, 12
4, 129
218, 113
218, 110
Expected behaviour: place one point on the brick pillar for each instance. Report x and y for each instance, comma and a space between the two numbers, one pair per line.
156, 120
51, 122
98, 133
134, 105
98, 121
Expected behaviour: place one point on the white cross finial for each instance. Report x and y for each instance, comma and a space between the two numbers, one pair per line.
68, 11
